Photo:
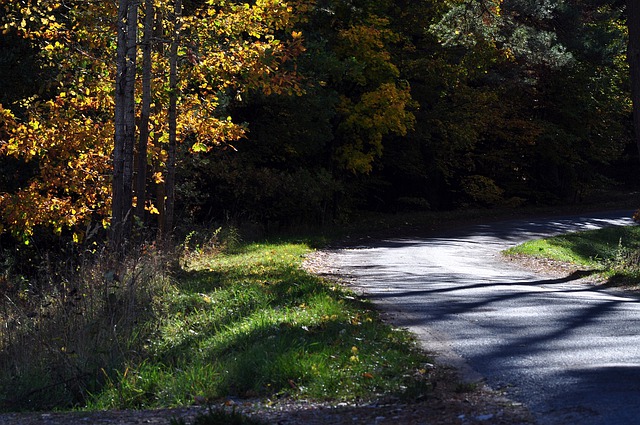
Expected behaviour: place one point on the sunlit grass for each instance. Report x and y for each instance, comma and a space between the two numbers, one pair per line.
252, 323
613, 251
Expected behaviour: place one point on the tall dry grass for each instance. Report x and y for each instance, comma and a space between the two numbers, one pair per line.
75, 325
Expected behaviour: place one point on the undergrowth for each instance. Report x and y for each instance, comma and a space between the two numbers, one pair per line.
232, 319
70, 329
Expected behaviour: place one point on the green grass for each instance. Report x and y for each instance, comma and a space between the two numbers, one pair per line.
614, 252
252, 323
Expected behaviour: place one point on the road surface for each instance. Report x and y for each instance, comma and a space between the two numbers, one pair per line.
568, 350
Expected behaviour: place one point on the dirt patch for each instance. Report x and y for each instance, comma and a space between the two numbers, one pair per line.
447, 404
549, 267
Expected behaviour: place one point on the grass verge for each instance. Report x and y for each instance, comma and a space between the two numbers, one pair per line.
613, 252
251, 323
244, 321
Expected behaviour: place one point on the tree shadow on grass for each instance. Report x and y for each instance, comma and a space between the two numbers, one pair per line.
288, 359
297, 336
195, 281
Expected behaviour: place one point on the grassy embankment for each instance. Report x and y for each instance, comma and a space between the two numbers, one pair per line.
245, 321
612, 253
250, 322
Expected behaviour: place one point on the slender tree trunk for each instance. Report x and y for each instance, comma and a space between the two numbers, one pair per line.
158, 31
633, 56
124, 121
117, 216
130, 114
170, 177
143, 141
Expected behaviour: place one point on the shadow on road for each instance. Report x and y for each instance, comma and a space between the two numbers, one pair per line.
569, 350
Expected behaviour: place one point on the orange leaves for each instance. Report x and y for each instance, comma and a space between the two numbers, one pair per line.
238, 47
229, 20
236, 50
71, 183
387, 105
7, 123
492, 10
35, 21
374, 103
68, 137
226, 49
209, 130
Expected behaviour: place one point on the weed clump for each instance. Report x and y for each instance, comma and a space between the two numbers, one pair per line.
219, 417
75, 325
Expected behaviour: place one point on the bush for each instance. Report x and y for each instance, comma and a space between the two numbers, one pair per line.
68, 332
224, 188
482, 190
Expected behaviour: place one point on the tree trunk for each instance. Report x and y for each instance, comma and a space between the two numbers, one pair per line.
633, 56
143, 141
170, 177
119, 133
124, 121
130, 115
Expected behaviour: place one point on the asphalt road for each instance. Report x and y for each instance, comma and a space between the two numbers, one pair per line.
568, 350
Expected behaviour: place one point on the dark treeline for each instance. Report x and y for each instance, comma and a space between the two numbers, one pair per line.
410, 105
517, 105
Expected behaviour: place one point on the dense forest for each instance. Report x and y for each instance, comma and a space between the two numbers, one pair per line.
278, 113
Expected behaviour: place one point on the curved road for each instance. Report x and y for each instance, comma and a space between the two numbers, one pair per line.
569, 351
